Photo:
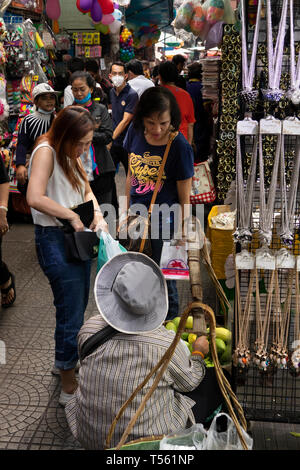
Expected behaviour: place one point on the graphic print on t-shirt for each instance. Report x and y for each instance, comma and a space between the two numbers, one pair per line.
144, 170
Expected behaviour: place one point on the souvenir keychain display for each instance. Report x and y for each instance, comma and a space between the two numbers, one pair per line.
294, 91
275, 56
294, 356
249, 94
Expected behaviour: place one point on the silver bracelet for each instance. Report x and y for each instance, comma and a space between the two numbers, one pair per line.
97, 210
4, 207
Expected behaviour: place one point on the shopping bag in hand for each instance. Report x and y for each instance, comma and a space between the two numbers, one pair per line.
108, 248
173, 261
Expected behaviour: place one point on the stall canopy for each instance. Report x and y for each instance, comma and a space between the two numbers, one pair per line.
143, 12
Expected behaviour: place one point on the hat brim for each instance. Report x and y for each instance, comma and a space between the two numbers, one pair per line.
114, 311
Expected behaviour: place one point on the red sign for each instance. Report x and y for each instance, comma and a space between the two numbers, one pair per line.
38, 9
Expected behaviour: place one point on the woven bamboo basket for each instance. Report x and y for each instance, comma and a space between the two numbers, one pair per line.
202, 315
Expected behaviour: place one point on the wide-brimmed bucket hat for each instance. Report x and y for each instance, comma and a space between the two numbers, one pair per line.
131, 293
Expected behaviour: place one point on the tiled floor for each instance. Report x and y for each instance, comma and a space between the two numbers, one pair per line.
30, 417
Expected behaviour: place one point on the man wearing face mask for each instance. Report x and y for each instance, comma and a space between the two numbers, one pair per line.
33, 126
123, 102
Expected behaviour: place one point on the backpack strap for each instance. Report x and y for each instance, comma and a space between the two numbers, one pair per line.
96, 340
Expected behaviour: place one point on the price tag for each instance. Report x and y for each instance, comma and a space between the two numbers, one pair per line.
270, 126
285, 260
264, 259
291, 126
247, 127
244, 260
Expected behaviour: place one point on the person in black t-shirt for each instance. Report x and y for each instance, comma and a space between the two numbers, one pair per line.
179, 61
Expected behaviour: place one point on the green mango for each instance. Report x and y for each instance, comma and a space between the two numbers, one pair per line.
225, 358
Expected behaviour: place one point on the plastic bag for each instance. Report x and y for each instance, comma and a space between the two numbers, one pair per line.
184, 15
218, 10
188, 439
173, 261
108, 248
214, 36
222, 435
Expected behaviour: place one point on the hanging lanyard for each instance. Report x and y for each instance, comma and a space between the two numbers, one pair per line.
294, 92
288, 201
248, 72
244, 197
267, 207
275, 57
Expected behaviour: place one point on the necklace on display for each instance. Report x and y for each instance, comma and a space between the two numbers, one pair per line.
241, 355
261, 358
248, 94
294, 92
275, 57
294, 361
244, 196
281, 322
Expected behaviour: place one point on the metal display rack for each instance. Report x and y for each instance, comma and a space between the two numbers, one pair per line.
272, 395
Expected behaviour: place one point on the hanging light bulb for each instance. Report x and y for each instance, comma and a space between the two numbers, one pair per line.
124, 3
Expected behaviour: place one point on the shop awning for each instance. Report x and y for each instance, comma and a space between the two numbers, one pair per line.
145, 12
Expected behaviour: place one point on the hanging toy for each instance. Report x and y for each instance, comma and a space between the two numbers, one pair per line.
90, 6
3, 30
126, 45
4, 108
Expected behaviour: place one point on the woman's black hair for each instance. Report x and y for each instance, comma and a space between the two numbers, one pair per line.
81, 74
157, 100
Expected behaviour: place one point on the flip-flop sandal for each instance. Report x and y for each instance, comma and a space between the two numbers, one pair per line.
5, 291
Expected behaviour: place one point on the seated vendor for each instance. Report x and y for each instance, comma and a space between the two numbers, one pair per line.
131, 295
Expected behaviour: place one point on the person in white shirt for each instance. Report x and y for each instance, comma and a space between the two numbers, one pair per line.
136, 77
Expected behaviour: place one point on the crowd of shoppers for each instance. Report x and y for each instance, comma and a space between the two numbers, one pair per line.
74, 154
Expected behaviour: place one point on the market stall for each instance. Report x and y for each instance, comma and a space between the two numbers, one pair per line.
254, 225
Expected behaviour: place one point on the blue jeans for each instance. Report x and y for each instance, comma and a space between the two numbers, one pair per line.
156, 254
70, 283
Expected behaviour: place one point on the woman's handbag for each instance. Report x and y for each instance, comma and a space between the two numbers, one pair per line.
81, 246
203, 188
134, 233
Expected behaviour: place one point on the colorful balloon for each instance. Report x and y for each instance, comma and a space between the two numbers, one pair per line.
84, 5
107, 19
107, 6
115, 27
96, 11
53, 10
101, 28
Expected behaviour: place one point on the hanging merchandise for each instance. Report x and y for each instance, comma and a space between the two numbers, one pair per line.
13, 49
4, 108
241, 355
275, 56
269, 126
290, 127
4, 4
244, 197
263, 316
294, 92
294, 356
126, 45
281, 323
196, 17
87, 44
248, 94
